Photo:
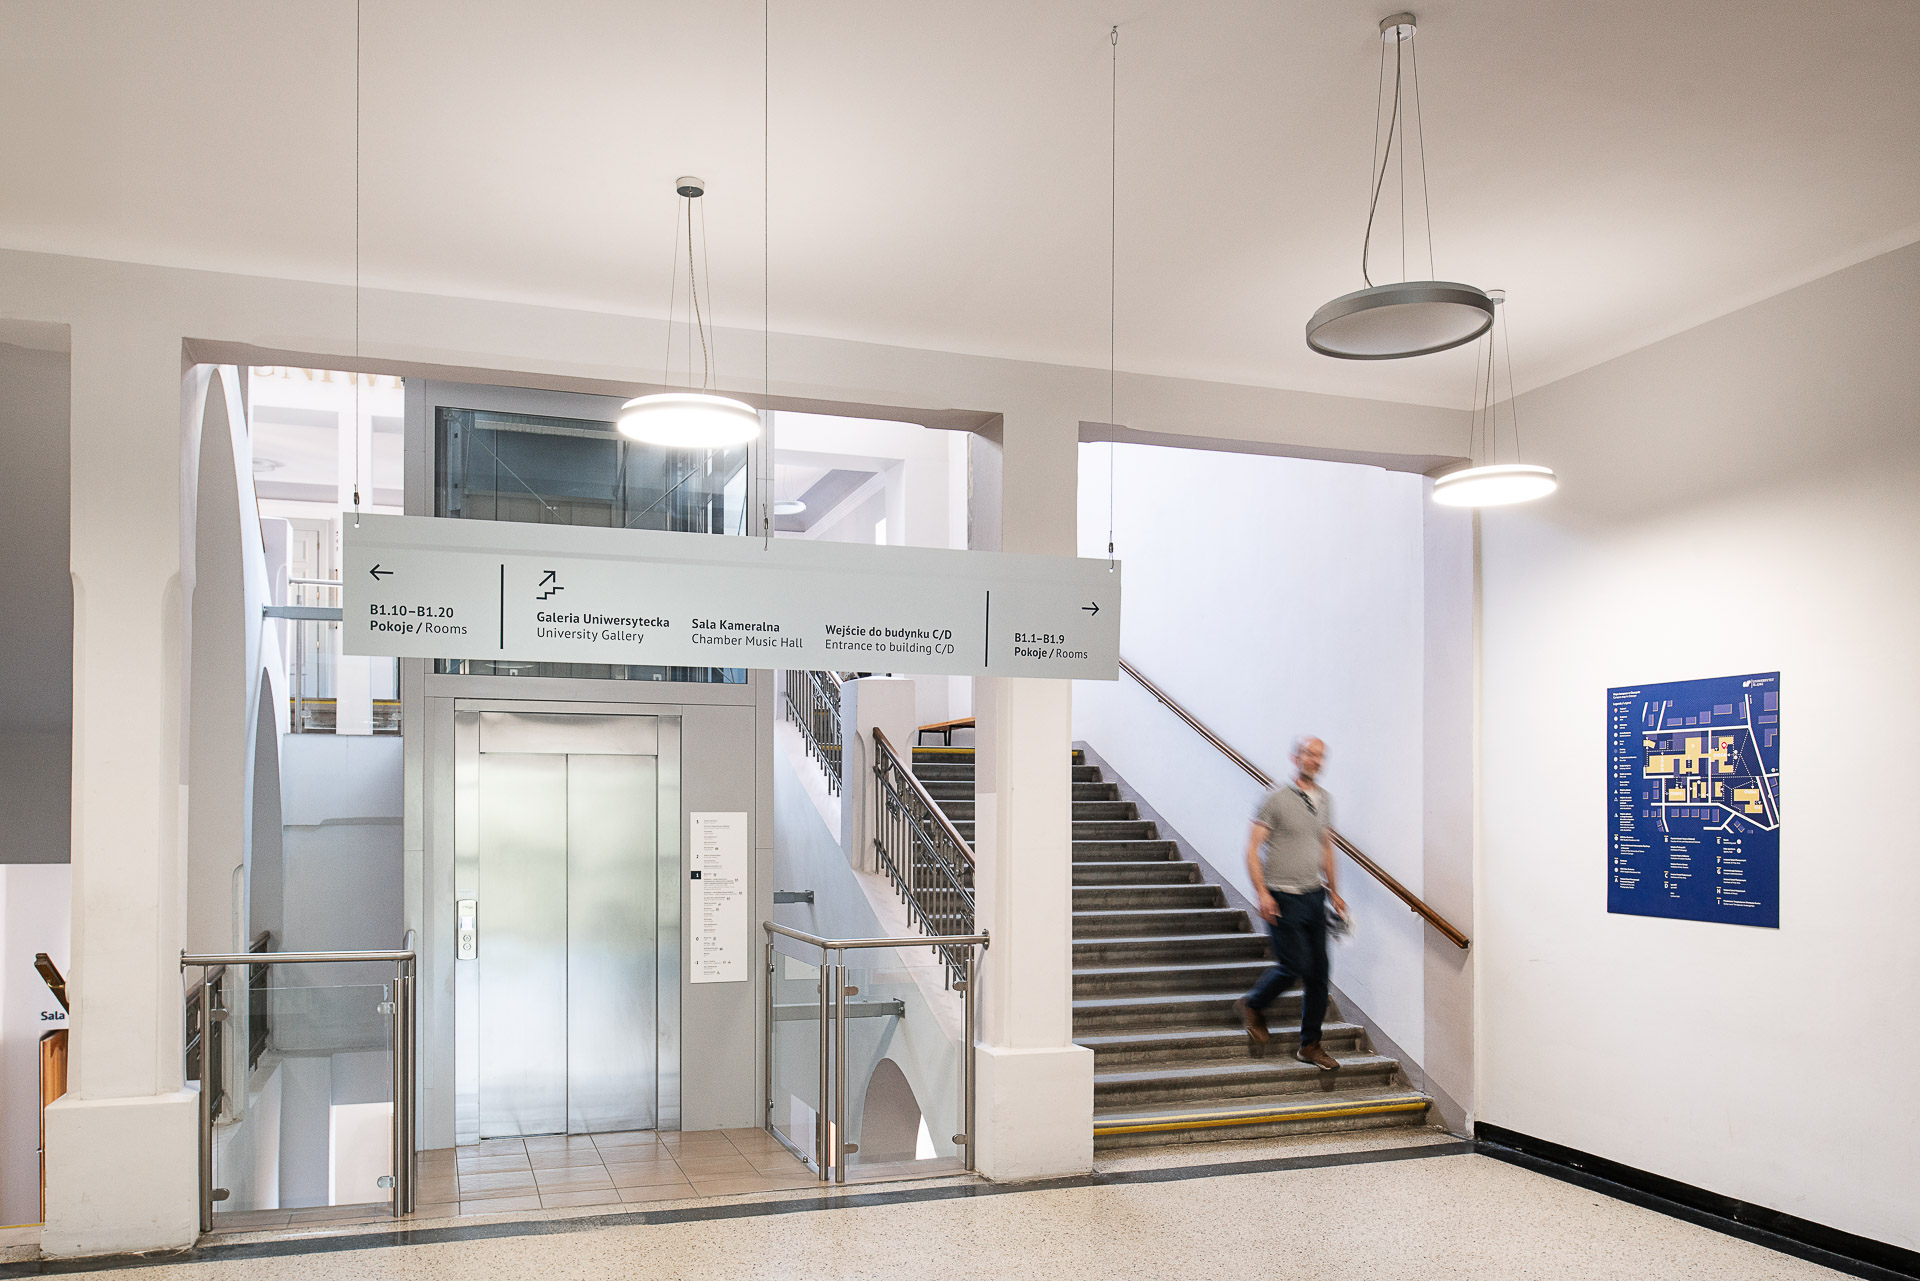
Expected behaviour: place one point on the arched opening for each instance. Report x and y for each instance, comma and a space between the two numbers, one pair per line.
890, 1123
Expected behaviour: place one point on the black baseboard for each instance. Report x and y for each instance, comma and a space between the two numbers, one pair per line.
1817, 1243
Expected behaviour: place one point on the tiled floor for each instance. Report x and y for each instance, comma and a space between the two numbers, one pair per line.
498, 1176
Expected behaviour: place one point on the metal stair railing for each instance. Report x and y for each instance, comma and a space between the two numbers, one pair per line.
813, 705
1413, 901
922, 853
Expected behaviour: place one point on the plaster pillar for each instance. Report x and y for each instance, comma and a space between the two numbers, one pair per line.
122, 1156
1034, 1086
885, 703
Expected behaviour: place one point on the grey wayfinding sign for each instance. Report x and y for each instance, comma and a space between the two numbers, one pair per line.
427, 587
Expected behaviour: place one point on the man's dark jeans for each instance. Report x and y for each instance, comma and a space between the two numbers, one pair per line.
1299, 952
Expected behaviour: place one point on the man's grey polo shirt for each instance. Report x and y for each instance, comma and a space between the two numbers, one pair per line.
1296, 827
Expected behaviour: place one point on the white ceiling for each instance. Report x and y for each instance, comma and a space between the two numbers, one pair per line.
939, 173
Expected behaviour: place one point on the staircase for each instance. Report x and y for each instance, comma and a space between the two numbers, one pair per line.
1158, 957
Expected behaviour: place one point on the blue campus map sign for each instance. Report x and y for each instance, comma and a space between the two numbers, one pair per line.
1693, 800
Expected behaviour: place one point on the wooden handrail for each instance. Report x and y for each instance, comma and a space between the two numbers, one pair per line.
1260, 776
920, 790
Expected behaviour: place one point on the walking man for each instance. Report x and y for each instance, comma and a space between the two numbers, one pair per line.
1290, 858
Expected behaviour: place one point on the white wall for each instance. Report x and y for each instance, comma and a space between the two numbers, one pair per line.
1739, 498
36, 625
33, 918
1274, 597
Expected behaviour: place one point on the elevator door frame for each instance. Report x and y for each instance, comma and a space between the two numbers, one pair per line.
466, 865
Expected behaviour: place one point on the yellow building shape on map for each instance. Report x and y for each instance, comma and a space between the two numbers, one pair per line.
1698, 759
1748, 799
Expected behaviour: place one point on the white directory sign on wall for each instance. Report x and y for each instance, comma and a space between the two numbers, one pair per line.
717, 869
427, 587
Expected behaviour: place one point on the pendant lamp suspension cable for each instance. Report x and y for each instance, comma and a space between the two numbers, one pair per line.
1513, 400
1380, 179
356, 263
1113, 262
1400, 132
766, 268
1426, 196
693, 289
673, 301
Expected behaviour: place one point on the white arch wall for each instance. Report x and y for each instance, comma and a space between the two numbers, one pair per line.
233, 660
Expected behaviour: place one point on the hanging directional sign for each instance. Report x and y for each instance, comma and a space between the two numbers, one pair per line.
428, 587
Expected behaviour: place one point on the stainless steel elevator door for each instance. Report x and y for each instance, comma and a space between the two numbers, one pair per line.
610, 955
567, 1000
523, 945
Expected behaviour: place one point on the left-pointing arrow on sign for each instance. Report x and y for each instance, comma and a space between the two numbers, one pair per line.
379, 573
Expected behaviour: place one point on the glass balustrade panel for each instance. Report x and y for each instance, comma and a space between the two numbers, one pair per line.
905, 1089
303, 1107
794, 1048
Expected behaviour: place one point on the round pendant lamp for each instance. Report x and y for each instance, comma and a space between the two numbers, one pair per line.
1495, 485
1392, 322
691, 419
1490, 482
1411, 317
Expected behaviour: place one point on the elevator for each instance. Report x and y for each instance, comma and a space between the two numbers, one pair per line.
567, 984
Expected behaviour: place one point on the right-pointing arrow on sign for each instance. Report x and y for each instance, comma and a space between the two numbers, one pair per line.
1091, 609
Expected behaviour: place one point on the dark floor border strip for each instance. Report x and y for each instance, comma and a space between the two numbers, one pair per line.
249, 1250
1802, 1238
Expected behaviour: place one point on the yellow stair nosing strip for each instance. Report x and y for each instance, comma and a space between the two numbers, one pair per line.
1208, 1121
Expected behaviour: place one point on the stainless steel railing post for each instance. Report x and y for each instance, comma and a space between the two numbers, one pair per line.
821, 1158
769, 1044
206, 1099
840, 1070
396, 1063
966, 1050
403, 1101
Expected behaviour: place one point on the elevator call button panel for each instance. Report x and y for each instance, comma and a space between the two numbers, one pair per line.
467, 936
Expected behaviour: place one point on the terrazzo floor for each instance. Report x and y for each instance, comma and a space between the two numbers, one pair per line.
1440, 1216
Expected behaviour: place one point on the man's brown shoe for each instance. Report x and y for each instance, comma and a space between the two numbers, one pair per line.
1256, 1027
1315, 1055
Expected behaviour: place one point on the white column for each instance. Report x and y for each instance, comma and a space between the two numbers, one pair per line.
122, 1165
1034, 1107
886, 703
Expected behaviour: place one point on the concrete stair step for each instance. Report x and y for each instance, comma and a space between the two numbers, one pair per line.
948, 771
1178, 949
1102, 851
1143, 980
1096, 791
1119, 830
1130, 897
1086, 773
965, 828
958, 811
1155, 872
1276, 1074
1343, 1109
942, 754
1111, 1015
943, 789
1135, 922
1096, 811
1173, 1047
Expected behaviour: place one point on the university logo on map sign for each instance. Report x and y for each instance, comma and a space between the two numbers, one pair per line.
1693, 799
430, 587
